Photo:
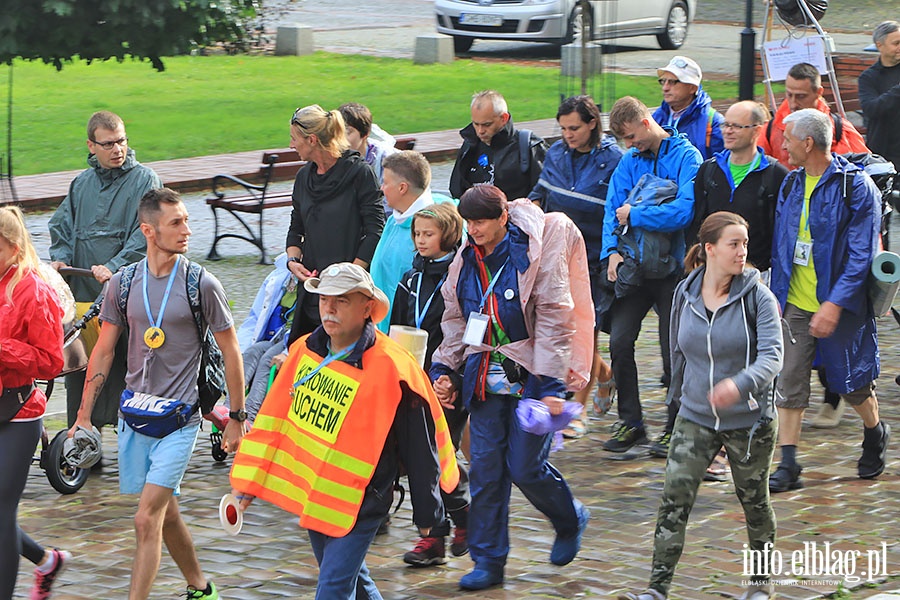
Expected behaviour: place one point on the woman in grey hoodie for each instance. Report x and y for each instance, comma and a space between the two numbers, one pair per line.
727, 349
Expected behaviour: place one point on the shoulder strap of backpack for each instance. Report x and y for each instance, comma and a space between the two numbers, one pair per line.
524, 150
847, 188
192, 286
768, 192
769, 131
838, 127
789, 182
708, 167
750, 306
125, 287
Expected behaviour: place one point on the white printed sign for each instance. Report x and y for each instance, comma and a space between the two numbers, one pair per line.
784, 54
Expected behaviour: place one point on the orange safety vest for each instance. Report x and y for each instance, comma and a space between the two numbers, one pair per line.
313, 449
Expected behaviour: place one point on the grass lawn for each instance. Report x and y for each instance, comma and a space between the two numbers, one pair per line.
220, 104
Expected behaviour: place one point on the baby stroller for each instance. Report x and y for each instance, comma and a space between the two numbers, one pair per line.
261, 337
65, 478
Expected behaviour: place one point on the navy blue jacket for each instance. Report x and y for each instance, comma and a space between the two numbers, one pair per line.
576, 184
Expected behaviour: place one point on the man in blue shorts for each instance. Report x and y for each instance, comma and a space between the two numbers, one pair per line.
163, 364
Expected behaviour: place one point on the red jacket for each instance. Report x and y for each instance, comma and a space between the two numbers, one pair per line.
31, 338
772, 137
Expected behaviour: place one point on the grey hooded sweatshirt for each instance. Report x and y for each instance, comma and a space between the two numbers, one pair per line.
742, 340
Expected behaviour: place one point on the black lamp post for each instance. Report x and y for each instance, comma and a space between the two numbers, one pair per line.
748, 41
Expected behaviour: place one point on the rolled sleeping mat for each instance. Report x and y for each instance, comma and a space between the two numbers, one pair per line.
414, 340
884, 281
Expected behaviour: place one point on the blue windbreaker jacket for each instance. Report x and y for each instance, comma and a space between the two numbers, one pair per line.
694, 123
845, 240
677, 160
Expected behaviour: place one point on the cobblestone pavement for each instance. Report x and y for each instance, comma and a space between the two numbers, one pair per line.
272, 559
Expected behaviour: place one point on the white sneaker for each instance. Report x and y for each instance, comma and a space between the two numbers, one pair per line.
829, 417
759, 592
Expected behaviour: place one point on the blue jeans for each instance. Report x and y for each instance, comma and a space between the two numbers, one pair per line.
503, 454
342, 563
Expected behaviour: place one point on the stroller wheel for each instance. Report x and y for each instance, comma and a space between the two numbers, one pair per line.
64, 478
215, 439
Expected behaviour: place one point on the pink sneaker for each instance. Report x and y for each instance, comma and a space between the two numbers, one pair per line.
44, 581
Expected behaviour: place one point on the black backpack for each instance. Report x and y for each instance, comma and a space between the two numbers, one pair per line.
211, 378
877, 167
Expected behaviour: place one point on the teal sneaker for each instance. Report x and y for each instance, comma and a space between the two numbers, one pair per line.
210, 593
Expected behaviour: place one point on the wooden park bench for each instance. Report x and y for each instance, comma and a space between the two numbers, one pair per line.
254, 198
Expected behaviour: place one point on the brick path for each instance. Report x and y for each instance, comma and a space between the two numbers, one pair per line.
271, 558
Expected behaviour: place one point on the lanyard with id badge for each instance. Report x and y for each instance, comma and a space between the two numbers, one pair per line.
478, 322
803, 249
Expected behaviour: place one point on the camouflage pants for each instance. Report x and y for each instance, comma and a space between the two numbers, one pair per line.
691, 450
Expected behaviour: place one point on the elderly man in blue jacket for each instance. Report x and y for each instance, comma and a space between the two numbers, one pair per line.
688, 109
662, 152
826, 235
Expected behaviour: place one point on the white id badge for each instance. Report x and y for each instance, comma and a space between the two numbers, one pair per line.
802, 252
476, 327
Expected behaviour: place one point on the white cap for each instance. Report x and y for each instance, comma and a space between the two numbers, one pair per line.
685, 69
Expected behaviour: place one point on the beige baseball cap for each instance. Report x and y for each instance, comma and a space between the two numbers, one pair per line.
343, 278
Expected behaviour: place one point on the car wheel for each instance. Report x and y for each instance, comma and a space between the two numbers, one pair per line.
676, 27
580, 24
462, 43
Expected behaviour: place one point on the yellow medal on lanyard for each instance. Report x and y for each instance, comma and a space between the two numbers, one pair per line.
154, 336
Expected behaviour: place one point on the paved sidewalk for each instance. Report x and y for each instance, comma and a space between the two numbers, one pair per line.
272, 559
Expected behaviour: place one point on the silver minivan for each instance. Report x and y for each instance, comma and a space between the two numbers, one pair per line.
563, 21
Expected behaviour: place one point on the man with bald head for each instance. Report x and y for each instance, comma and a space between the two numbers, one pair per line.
741, 179
494, 151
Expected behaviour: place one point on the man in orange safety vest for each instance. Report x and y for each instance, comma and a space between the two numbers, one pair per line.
347, 407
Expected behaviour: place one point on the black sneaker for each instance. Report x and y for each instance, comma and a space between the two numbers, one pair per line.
428, 551
626, 438
660, 448
785, 478
871, 463
385, 526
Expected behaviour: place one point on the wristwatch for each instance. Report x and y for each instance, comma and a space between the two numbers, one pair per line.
238, 415
295, 259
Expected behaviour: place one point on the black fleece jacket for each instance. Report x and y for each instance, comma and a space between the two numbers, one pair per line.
500, 165
337, 216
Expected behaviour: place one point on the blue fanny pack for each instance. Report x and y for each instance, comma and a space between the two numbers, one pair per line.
153, 415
